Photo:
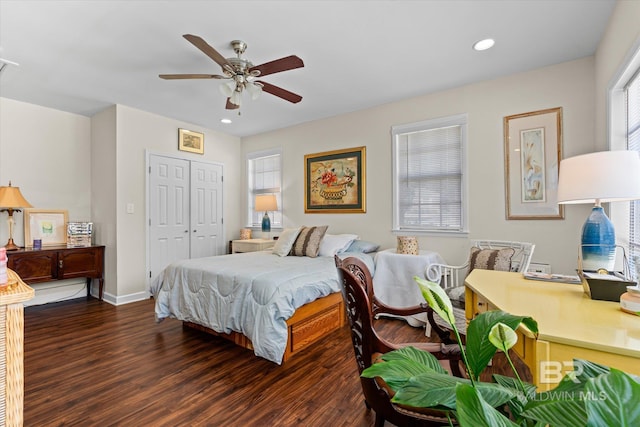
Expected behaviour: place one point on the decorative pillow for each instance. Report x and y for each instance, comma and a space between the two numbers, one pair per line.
332, 244
363, 246
285, 241
491, 259
308, 241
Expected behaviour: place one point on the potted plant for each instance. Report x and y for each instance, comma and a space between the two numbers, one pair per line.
590, 395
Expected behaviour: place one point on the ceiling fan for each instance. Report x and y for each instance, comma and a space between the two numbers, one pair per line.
240, 74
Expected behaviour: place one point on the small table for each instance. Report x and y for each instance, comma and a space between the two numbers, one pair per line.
251, 245
393, 281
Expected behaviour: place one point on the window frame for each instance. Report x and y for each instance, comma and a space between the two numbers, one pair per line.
431, 124
620, 213
250, 215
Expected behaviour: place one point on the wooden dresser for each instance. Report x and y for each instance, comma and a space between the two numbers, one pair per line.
570, 324
12, 350
58, 263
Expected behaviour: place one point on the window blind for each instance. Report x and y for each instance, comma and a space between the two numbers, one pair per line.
632, 95
429, 178
264, 177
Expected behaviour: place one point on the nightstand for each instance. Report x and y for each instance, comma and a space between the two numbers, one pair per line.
251, 245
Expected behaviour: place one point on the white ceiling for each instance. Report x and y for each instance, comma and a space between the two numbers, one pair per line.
82, 56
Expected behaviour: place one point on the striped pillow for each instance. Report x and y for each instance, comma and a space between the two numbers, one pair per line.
308, 241
491, 259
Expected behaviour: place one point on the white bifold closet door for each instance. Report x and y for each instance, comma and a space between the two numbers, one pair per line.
185, 210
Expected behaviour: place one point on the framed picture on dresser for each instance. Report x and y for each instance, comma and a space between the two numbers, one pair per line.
46, 225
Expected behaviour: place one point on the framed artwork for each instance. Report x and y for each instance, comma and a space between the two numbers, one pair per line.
335, 181
190, 141
48, 225
532, 152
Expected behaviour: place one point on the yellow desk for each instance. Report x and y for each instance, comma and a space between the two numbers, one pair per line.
570, 324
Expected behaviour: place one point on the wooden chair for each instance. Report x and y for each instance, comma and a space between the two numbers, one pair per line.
485, 254
362, 305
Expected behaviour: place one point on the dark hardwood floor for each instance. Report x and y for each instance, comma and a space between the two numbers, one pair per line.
88, 363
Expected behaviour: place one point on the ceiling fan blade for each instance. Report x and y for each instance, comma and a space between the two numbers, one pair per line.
279, 92
199, 42
231, 106
279, 65
190, 76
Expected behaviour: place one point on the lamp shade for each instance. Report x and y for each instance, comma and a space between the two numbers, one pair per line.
11, 197
606, 176
266, 202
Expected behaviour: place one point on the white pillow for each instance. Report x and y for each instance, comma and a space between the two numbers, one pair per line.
285, 241
332, 244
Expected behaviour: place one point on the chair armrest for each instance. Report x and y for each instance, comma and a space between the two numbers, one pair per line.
379, 307
447, 276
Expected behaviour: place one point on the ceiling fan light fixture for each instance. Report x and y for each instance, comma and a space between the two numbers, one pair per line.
254, 89
228, 88
236, 98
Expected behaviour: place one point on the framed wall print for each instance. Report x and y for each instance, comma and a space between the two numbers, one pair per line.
532, 152
190, 141
335, 181
48, 225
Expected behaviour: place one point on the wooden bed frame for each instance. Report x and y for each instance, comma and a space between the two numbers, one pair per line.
309, 324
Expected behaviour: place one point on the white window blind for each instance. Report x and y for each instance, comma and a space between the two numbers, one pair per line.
632, 96
264, 170
429, 175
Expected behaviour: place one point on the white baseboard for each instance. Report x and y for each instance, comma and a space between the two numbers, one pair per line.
57, 291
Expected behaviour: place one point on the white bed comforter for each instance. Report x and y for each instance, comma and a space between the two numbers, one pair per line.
252, 293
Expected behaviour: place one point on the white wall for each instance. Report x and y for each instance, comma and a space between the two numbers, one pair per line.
138, 131
567, 85
93, 167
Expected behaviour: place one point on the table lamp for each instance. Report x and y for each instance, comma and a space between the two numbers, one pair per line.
265, 203
11, 200
606, 176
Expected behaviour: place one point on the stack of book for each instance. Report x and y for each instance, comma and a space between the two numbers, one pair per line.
79, 234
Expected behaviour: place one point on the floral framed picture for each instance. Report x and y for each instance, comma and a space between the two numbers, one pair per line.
190, 141
47, 225
335, 181
532, 152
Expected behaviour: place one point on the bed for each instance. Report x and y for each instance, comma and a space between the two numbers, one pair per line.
275, 305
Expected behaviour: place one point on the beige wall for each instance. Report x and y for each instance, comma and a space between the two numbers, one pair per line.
568, 85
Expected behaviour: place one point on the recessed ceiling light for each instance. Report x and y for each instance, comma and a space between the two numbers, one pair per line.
225, 121
484, 44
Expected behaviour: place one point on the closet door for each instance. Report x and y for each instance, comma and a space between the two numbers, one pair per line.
206, 210
169, 211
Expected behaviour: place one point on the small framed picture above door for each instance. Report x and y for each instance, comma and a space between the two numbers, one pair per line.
190, 141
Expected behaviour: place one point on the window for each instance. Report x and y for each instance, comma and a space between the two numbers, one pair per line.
264, 176
429, 191
632, 93
624, 134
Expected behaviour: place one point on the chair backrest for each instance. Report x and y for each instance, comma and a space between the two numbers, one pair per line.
522, 256
356, 284
357, 291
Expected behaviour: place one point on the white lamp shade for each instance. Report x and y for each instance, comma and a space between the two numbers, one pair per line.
265, 203
606, 176
254, 89
228, 87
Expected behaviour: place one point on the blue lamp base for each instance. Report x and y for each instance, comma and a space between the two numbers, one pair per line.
598, 242
266, 223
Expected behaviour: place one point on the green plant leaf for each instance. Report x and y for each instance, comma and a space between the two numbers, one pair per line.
474, 411
612, 400
479, 348
415, 354
429, 390
434, 390
521, 400
437, 299
561, 413
401, 365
